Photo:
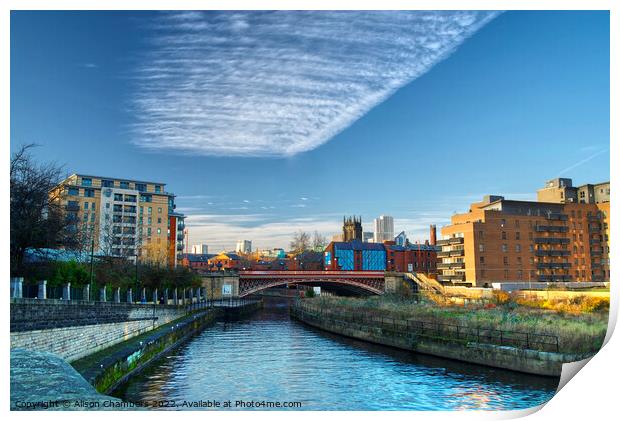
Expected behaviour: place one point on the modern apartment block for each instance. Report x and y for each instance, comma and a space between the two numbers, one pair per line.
244, 247
200, 249
124, 218
501, 240
384, 228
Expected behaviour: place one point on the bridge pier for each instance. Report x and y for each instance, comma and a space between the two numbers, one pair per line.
221, 285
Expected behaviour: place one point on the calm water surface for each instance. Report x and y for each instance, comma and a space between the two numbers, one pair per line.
273, 358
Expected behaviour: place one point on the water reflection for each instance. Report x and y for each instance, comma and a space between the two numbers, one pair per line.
270, 357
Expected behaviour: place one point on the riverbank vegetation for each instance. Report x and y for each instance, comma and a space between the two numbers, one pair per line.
578, 333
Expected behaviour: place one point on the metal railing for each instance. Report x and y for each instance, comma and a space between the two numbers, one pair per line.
435, 330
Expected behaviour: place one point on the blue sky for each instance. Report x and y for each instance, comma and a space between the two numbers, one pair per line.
266, 123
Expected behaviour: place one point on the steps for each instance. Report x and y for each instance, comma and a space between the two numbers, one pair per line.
424, 282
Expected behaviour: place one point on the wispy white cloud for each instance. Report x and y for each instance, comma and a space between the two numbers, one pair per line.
280, 83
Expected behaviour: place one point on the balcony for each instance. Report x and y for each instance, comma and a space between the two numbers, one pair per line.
595, 241
552, 253
180, 236
443, 254
450, 241
454, 265
457, 253
593, 218
557, 217
459, 277
180, 247
551, 240
551, 228
554, 265
181, 227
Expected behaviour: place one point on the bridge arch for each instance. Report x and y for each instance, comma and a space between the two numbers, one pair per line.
251, 282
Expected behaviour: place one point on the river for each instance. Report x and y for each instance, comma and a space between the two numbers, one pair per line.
271, 358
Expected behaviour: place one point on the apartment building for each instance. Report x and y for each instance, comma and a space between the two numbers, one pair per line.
383, 228
501, 240
124, 218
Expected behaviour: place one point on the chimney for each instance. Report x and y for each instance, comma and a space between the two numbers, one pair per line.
433, 235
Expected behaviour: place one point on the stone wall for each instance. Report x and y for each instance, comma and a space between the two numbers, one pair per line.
74, 329
516, 359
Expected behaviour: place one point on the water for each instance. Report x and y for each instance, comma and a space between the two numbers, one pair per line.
271, 358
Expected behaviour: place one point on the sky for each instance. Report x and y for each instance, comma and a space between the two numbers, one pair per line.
264, 123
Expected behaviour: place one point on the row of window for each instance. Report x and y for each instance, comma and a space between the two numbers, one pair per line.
88, 182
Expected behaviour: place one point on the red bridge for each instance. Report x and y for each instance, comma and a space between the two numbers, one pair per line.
254, 281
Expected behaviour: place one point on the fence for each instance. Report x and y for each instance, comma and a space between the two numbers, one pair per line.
435, 330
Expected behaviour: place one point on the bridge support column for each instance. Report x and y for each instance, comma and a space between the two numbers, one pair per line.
16, 287
102, 294
129, 295
155, 297
66, 291
143, 295
86, 292
42, 293
117, 295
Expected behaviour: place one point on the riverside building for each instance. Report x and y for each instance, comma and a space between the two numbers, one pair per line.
124, 218
557, 240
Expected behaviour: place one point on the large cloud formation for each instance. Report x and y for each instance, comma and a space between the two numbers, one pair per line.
280, 83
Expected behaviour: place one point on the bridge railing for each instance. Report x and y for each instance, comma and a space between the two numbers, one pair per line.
436, 330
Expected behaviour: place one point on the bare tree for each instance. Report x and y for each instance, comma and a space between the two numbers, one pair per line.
300, 242
37, 215
319, 241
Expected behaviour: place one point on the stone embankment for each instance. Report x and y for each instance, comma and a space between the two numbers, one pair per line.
525, 355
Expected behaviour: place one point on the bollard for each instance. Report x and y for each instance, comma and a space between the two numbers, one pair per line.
129, 296
117, 295
66, 291
42, 293
155, 297
102, 294
16, 287
86, 293
175, 297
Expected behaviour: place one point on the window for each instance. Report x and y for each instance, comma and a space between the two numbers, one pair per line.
124, 184
531, 248
158, 231
482, 259
150, 220
505, 260
159, 220
481, 247
107, 205
92, 217
89, 193
519, 260
158, 210
92, 206
503, 235
504, 248
518, 248
140, 187
146, 198
519, 274
481, 234
503, 222
87, 181
517, 223
118, 197
517, 235
73, 191
141, 210
150, 210
148, 232
107, 183
157, 189
506, 274
86, 205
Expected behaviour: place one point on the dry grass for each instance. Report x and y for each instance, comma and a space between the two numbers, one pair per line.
578, 333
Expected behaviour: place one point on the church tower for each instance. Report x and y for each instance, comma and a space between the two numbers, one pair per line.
351, 229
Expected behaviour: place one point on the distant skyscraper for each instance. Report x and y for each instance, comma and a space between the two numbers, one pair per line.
384, 229
368, 236
200, 249
244, 246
